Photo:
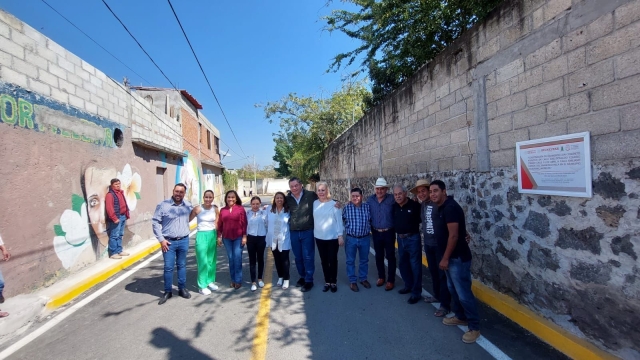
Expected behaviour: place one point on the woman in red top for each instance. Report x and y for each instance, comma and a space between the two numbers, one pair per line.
232, 226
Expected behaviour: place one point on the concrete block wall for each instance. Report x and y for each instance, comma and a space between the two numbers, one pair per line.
532, 69
34, 62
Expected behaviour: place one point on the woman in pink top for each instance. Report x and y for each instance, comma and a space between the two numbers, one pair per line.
232, 227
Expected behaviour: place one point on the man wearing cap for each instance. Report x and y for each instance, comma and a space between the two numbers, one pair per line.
406, 220
383, 234
429, 216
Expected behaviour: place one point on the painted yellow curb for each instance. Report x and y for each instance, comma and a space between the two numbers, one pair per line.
74, 291
562, 340
259, 348
554, 335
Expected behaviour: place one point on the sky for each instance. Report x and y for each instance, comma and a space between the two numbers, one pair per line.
252, 52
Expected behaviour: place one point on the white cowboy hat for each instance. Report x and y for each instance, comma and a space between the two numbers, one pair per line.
381, 183
421, 182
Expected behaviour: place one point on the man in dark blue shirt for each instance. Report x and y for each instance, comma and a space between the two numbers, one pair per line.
406, 221
382, 233
456, 261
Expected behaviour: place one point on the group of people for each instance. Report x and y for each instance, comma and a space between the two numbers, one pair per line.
303, 220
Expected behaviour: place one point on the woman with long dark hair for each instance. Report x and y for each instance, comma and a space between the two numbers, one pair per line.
256, 233
278, 238
232, 226
206, 242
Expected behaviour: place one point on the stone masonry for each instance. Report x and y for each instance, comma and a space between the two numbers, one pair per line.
532, 69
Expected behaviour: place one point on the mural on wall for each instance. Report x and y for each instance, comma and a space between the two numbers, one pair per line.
84, 225
26, 109
213, 182
188, 174
72, 234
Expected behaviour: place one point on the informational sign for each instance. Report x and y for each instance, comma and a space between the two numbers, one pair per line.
559, 165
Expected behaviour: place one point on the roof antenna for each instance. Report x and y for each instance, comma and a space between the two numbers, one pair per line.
125, 81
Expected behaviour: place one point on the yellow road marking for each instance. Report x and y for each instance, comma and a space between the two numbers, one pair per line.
259, 349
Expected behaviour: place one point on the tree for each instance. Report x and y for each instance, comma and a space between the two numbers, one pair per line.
309, 123
284, 152
229, 180
399, 36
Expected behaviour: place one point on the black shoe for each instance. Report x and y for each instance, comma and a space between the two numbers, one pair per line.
307, 286
326, 287
1, 299
412, 300
404, 291
300, 283
334, 288
184, 293
166, 296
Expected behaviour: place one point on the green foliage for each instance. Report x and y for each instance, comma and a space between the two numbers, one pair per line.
229, 180
309, 123
247, 172
399, 36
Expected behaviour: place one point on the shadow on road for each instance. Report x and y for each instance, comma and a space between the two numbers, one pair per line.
178, 348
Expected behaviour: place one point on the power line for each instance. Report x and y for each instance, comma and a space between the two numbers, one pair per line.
165, 76
90, 38
136, 40
205, 75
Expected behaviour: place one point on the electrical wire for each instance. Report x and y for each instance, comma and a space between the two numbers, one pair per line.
90, 38
205, 75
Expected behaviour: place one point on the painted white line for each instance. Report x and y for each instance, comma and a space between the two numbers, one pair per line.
482, 341
65, 314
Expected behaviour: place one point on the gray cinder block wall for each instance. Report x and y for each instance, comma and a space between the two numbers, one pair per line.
532, 69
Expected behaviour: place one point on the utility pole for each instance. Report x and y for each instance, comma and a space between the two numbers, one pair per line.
255, 180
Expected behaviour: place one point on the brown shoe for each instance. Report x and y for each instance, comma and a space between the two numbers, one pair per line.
354, 287
366, 284
238, 286
124, 254
115, 256
389, 286
233, 285
380, 282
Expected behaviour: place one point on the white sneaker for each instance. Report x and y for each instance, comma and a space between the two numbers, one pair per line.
285, 285
261, 283
205, 291
254, 287
279, 283
213, 286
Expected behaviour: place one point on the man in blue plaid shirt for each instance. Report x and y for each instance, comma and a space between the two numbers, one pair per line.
357, 227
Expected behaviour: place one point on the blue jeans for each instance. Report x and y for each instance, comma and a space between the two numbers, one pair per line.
234, 254
352, 246
115, 232
459, 282
304, 251
1, 282
438, 277
177, 255
410, 256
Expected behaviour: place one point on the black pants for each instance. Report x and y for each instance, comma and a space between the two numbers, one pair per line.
384, 243
255, 248
439, 277
281, 258
328, 250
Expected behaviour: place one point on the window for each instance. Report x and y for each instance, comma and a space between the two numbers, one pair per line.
216, 143
208, 139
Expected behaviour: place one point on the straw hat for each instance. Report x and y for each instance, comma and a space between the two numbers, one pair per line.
421, 182
381, 183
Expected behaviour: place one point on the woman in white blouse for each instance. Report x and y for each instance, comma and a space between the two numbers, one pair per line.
278, 237
327, 229
256, 243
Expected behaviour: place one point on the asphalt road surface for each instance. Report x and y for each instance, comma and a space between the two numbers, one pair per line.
127, 323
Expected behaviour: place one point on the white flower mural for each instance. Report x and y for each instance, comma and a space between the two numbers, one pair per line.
72, 235
131, 186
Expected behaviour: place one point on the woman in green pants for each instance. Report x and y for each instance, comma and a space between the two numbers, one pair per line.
206, 241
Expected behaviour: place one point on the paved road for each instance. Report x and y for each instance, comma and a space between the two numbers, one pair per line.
126, 323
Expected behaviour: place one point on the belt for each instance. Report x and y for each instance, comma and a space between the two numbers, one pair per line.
358, 237
402, 236
382, 230
176, 238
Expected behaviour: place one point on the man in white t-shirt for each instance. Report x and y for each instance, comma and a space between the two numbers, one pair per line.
5, 257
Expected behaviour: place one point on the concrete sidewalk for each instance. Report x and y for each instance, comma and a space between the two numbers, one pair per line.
25, 310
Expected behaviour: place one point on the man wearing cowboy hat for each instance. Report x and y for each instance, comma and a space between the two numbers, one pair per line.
429, 214
383, 233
